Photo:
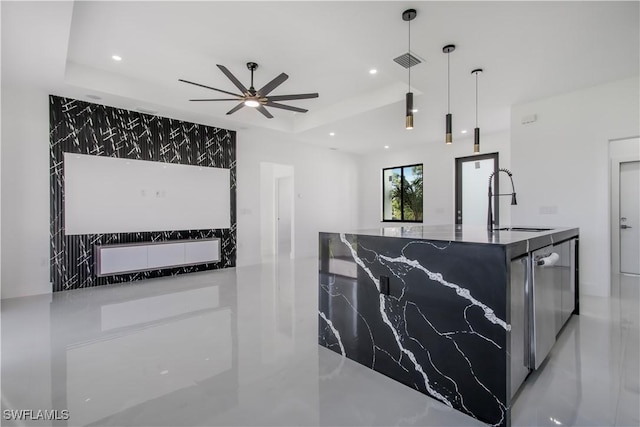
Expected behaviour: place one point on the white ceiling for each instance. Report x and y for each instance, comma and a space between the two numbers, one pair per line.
529, 50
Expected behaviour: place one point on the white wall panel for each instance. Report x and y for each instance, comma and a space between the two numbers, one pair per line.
112, 195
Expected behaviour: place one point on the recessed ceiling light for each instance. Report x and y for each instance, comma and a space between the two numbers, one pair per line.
386, 146
463, 131
373, 71
332, 134
116, 58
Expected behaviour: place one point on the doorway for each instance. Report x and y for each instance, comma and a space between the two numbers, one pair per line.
472, 180
277, 213
625, 208
284, 215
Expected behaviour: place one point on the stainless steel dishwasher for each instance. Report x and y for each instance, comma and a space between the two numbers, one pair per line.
545, 295
519, 334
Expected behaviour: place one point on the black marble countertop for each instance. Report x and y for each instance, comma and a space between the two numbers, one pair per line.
516, 241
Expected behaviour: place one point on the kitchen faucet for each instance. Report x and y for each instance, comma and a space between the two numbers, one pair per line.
512, 194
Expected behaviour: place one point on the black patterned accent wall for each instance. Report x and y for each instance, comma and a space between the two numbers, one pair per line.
84, 128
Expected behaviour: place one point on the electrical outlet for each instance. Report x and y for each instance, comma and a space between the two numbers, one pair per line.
384, 285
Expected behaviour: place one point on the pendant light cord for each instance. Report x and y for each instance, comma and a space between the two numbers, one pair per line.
409, 55
476, 99
448, 83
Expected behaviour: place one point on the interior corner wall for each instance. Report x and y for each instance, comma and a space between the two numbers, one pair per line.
325, 191
438, 160
563, 158
25, 191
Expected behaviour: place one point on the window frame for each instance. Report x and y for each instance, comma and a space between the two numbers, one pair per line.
402, 194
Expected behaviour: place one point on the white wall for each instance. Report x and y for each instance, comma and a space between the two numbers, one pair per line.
325, 190
25, 191
439, 177
562, 165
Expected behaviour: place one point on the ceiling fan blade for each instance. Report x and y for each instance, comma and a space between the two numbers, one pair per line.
290, 97
222, 99
285, 107
236, 108
266, 89
264, 111
209, 87
232, 78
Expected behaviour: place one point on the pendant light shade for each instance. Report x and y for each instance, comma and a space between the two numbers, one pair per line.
449, 133
409, 15
476, 131
409, 113
476, 140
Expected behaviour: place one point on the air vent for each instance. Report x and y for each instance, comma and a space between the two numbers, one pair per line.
407, 60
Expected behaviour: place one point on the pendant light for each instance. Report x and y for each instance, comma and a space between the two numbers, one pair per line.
476, 131
409, 15
449, 135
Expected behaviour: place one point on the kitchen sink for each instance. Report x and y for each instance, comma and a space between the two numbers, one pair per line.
527, 229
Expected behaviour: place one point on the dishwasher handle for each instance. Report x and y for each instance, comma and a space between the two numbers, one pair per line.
548, 260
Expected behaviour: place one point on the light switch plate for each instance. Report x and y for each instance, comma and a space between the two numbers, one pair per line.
548, 210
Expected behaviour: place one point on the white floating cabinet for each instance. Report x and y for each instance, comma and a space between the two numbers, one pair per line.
135, 257
159, 256
112, 260
198, 252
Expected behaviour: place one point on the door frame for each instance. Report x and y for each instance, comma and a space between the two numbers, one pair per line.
457, 213
615, 210
617, 155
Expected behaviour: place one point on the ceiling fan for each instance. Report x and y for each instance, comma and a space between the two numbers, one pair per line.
257, 99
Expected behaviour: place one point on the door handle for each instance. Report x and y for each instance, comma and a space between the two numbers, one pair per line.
625, 226
548, 260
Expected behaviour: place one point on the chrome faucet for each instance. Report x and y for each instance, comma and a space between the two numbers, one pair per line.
491, 195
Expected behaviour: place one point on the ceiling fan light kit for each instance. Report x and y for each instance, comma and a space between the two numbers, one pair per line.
253, 98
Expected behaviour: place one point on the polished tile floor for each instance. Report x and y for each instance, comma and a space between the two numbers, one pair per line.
238, 348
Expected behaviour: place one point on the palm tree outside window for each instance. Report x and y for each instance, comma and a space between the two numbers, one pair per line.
402, 193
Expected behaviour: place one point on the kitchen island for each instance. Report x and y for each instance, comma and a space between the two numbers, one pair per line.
457, 312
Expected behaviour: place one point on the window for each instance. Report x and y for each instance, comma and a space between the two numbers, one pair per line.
402, 194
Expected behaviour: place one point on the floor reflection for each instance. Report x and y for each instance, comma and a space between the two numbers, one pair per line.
591, 376
239, 347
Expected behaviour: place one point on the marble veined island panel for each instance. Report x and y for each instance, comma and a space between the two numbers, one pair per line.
430, 314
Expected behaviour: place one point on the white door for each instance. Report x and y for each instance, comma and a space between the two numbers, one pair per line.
284, 211
471, 193
475, 178
630, 217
